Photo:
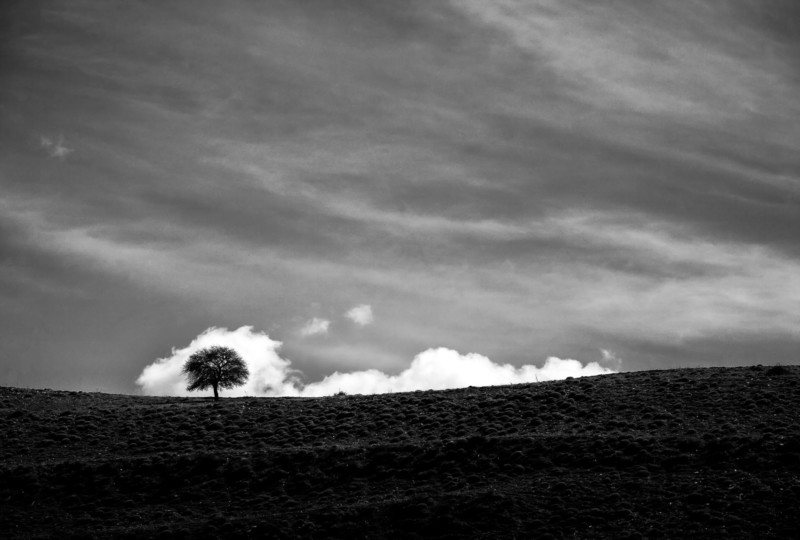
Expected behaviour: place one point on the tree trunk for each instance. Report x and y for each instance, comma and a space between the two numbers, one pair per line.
216, 394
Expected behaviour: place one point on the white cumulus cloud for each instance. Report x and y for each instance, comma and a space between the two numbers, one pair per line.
315, 326
439, 369
164, 377
361, 315
271, 375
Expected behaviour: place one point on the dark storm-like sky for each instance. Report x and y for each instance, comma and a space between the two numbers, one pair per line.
511, 178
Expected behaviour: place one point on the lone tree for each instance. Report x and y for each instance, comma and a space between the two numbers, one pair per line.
217, 367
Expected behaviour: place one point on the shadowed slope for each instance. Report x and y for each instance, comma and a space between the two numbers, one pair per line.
660, 454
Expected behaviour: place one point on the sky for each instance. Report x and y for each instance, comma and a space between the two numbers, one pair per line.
395, 191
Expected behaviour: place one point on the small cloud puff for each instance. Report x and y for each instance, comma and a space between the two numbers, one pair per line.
361, 315
55, 149
611, 359
271, 375
315, 326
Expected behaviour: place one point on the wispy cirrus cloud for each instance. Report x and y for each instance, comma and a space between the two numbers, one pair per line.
663, 60
627, 277
507, 177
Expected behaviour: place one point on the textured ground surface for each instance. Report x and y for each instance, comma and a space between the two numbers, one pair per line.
662, 454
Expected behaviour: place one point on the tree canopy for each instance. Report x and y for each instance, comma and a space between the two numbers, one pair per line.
216, 367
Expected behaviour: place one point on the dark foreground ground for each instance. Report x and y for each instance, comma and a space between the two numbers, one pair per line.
687, 453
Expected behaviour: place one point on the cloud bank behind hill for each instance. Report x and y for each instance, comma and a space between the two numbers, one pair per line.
272, 376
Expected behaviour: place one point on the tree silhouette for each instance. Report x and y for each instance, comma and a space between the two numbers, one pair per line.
217, 367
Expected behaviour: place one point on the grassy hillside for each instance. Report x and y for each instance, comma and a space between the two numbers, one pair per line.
680, 453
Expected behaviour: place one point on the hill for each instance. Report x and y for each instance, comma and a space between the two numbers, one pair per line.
711, 452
